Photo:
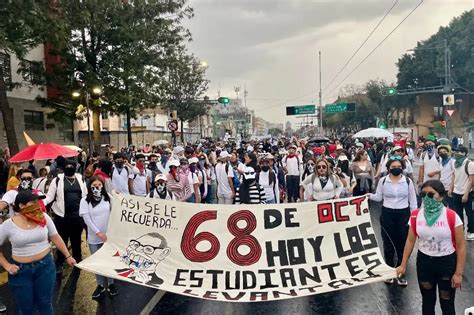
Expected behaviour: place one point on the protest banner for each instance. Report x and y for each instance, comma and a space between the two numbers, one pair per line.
240, 253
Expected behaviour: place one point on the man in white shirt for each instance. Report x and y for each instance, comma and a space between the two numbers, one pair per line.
121, 172
139, 184
446, 166
224, 176
429, 168
460, 189
293, 166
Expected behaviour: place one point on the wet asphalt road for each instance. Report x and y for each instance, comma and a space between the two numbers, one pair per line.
73, 296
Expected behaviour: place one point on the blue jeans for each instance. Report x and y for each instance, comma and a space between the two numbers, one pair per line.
33, 285
101, 280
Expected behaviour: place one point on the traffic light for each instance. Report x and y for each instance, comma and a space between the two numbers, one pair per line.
223, 100
389, 91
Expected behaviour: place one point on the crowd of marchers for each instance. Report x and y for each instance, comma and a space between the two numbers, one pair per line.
59, 201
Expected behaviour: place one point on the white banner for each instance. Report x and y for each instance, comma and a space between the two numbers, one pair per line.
240, 253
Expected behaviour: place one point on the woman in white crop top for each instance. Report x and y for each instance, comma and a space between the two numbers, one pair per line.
32, 273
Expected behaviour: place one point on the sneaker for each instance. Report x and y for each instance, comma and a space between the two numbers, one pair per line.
3, 307
98, 293
402, 282
112, 290
389, 281
470, 236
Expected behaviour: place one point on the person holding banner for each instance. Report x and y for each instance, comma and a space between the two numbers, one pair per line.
398, 196
441, 249
32, 274
325, 185
95, 210
250, 192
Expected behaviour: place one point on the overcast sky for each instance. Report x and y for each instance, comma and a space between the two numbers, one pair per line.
271, 46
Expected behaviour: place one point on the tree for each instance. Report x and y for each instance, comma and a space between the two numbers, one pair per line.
185, 84
122, 46
22, 25
425, 66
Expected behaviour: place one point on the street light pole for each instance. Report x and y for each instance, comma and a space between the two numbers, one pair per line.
320, 97
89, 139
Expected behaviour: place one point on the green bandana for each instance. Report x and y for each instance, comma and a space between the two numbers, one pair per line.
459, 159
432, 209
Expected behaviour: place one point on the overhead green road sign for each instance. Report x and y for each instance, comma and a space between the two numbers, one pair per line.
300, 110
339, 108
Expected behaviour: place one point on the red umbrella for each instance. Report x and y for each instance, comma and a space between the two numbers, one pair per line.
42, 151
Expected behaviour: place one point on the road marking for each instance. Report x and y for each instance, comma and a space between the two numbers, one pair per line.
153, 302
3, 278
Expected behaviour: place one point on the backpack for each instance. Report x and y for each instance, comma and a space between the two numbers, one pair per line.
451, 216
235, 179
297, 159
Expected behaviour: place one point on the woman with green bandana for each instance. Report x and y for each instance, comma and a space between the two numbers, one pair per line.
460, 189
441, 249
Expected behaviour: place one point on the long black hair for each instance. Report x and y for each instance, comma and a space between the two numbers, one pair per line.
90, 195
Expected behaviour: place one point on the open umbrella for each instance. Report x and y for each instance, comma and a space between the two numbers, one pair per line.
373, 133
318, 139
73, 147
42, 151
160, 142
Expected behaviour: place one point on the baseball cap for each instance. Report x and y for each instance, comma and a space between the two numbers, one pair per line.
174, 162
224, 154
178, 149
26, 196
160, 177
193, 160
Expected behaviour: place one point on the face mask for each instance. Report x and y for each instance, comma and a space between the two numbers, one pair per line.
161, 187
152, 164
192, 167
97, 192
265, 168
69, 171
249, 181
432, 209
26, 184
164, 159
444, 156
311, 168
396, 171
430, 148
119, 164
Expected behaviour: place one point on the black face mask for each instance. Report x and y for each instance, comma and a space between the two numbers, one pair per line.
396, 171
443, 156
152, 164
265, 168
69, 171
119, 164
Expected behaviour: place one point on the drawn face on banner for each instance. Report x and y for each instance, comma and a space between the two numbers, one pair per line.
143, 255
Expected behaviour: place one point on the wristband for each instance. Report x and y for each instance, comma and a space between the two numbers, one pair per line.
68, 257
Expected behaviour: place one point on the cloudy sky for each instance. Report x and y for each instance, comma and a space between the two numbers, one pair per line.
271, 46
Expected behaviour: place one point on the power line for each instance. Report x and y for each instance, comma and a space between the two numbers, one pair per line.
361, 45
376, 47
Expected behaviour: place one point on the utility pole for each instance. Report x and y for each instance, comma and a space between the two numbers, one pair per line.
320, 98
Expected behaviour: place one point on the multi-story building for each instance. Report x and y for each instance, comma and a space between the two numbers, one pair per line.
22, 95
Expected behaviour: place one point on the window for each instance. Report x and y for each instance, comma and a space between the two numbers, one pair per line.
66, 132
33, 71
105, 115
34, 120
5, 65
438, 113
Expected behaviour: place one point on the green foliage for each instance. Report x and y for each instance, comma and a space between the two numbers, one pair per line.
185, 84
126, 47
425, 66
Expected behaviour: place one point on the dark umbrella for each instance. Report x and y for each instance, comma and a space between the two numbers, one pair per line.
318, 139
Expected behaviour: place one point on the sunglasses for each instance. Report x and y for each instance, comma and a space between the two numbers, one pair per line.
395, 157
429, 194
322, 167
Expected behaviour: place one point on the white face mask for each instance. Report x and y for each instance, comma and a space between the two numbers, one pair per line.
97, 191
161, 187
